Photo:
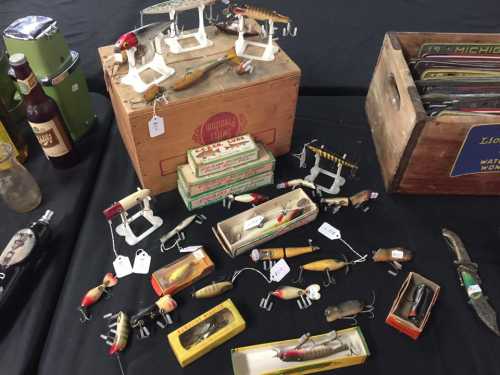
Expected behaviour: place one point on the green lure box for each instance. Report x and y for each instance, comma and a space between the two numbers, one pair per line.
194, 186
56, 67
219, 194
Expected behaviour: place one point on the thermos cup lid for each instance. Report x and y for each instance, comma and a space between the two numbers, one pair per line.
17, 59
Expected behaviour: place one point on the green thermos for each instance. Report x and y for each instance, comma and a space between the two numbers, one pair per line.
56, 67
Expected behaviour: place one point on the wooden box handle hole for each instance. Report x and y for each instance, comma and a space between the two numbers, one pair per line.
394, 95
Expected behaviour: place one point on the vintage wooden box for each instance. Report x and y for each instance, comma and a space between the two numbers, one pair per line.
223, 106
419, 154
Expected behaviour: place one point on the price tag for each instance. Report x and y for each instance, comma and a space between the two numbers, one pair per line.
156, 126
122, 266
253, 222
141, 262
397, 254
329, 231
279, 270
190, 249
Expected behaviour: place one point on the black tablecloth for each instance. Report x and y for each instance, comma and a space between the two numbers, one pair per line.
454, 341
66, 192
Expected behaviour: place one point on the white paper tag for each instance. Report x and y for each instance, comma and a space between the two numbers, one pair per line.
142, 261
397, 254
122, 266
156, 126
253, 222
279, 270
329, 231
473, 289
198, 254
190, 249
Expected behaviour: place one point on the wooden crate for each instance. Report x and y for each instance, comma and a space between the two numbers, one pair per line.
222, 106
418, 154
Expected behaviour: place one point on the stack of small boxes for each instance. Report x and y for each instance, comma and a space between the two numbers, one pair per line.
232, 166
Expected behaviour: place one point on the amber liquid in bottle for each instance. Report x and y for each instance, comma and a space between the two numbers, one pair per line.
44, 117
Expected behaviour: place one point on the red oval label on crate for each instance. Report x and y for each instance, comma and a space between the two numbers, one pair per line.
220, 126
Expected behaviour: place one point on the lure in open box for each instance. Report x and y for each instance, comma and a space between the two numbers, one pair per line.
304, 355
273, 218
181, 273
206, 332
413, 304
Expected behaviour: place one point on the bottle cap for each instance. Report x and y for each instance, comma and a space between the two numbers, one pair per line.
17, 59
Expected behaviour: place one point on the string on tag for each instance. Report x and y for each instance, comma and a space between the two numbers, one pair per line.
361, 258
238, 272
112, 238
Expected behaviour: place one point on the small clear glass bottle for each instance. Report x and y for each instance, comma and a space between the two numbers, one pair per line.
18, 188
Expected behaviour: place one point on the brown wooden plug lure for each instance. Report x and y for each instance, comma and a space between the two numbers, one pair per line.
350, 310
268, 256
394, 256
327, 266
358, 200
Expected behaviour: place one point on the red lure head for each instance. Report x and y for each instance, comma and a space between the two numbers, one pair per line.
287, 355
114, 349
126, 41
278, 293
258, 198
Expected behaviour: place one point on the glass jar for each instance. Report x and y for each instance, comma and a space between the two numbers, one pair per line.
18, 188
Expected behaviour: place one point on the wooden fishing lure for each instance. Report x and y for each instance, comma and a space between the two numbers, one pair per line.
117, 337
95, 294
392, 254
195, 75
349, 310
160, 309
277, 253
259, 14
304, 297
324, 265
307, 349
357, 200
332, 157
298, 182
310, 353
253, 198
213, 290
180, 273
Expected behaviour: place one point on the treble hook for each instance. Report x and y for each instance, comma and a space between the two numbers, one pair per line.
180, 237
85, 317
287, 31
353, 318
210, 18
330, 279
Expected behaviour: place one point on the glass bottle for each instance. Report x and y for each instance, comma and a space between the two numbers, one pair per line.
18, 188
44, 117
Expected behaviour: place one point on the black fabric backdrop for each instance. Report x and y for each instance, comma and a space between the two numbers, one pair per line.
336, 46
24, 325
454, 342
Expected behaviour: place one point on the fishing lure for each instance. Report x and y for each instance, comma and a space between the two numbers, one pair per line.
304, 297
307, 349
421, 308
470, 280
327, 266
213, 290
231, 24
398, 254
259, 14
204, 330
331, 156
298, 182
178, 231
193, 76
418, 295
350, 310
268, 256
253, 198
357, 200
140, 36
180, 273
154, 313
117, 337
95, 294
216, 289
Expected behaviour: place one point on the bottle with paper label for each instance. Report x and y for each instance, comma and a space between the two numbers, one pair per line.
44, 116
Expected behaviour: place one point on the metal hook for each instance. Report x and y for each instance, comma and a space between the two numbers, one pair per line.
85, 317
330, 279
353, 318
299, 279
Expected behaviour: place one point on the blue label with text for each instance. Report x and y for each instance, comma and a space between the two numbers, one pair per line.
480, 152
